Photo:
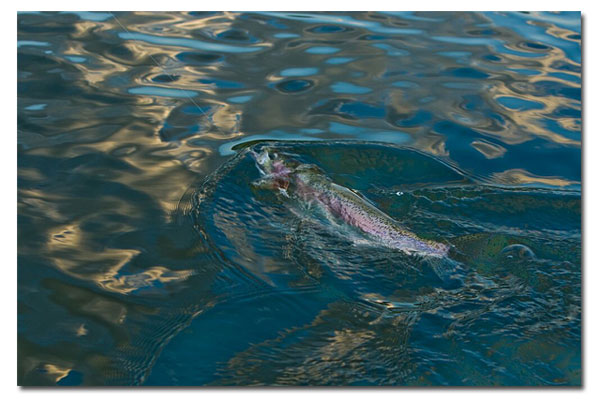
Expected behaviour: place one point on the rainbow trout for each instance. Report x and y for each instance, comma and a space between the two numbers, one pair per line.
308, 183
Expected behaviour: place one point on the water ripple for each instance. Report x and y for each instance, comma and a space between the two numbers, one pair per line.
121, 118
189, 43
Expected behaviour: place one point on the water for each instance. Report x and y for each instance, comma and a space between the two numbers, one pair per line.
147, 256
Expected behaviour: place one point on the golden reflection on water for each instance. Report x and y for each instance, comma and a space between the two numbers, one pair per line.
30, 174
523, 177
147, 278
56, 372
81, 330
228, 120
523, 123
327, 355
121, 140
214, 23
489, 150
433, 144
101, 268
105, 69
69, 252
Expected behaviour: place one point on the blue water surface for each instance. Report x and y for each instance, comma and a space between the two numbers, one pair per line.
151, 253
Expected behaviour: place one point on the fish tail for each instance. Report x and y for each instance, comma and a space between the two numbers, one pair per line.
446, 269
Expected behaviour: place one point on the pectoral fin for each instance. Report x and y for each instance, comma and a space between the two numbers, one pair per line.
271, 182
266, 183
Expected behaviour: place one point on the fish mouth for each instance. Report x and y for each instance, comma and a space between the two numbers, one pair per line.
262, 160
271, 164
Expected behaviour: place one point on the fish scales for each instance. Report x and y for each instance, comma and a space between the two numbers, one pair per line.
311, 184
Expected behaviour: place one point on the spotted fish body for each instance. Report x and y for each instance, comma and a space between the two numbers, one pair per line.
311, 185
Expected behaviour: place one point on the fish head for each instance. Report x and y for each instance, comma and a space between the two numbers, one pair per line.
270, 162
280, 171
263, 161
276, 170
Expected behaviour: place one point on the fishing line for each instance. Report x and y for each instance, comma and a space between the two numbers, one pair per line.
169, 75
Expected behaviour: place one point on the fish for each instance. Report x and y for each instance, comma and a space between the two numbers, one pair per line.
291, 178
